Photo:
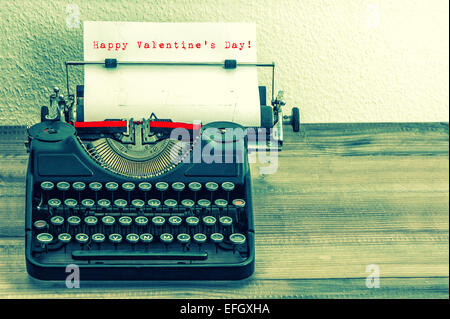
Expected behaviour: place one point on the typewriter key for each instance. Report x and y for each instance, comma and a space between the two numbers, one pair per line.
204, 203
57, 221
115, 239
237, 239
63, 186
187, 203
98, 238
145, 187
132, 238
40, 225
90, 220
111, 186
239, 203
158, 220
211, 186
209, 221
120, 203
200, 238
175, 220
128, 186
221, 203
79, 186
74, 221
217, 238
108, 220
125, 221
154, 203
166, 238
178, 186
65, 238
137, 203
226, 221
70, 203
82, 239
184, 239
47, 186
95, 186
228, 186
87, 203
192, 221
104, 203
44, 239
162, 186
195, 186
141, 221
170, 203
146, 238
54, 203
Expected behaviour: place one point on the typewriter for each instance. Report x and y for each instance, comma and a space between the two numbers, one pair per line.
124, 200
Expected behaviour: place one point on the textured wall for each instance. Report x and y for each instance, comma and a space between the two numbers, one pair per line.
338, 60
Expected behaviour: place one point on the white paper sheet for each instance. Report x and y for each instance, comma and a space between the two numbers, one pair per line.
180, 93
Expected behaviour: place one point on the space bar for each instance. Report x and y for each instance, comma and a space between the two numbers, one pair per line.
135, 255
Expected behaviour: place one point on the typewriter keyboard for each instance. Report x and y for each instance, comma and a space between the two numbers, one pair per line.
139, 222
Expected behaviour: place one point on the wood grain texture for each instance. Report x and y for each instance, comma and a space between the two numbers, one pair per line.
344, 196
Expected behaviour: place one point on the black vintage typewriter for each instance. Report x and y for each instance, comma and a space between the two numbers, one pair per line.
125, 200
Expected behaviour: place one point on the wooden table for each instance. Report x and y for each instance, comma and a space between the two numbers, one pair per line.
345, 196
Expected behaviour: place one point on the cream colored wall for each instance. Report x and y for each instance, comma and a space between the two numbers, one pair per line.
338, 60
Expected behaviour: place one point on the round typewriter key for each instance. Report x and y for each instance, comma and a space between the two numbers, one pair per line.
95, 186
82, 238
158, 220
108, 220
237, 239
178, 186
64, 238
70, 203
54, 203
187, 203
104, 203
217, 238
204, 203
209, 221
170, 203
162, 186
211, 186
57, 220
146, 238
145, 187
98, 238
40, 224
115, 238
137, 203
141, 221
192, 221
90, 220
63, 186
175, 220
120, 203
47, 186
184, 238
166, 238
44, 238
226, 221
154, 203
111, 186
87, 203
239, 203
200, 238
128, 186
221, 203
125, 221
228, 186
74, 221
195, 186
79, 186
132, 238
